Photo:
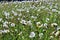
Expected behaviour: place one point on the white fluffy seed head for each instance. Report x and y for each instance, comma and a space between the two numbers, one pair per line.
38, 23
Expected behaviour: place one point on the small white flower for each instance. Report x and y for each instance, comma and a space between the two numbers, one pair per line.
45, 25
47, 19
13, 24
27, 10
38, 23
38, 10
0, 19
29, 23
15, 14
20, 14
6, 22
53, 24
18, 18
54, 10
58, 28
41, 35
5, 31
57, 33
5, 25
6, 14
33, 17
13, 11
23, 22
51, 37
32, 34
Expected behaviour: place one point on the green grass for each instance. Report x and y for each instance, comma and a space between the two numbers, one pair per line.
40, 11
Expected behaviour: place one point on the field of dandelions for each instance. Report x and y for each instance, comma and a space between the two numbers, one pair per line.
30, 21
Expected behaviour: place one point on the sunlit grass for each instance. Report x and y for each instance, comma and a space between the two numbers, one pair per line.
30, 21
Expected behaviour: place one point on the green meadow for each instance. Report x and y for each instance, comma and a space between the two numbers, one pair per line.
30, 20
